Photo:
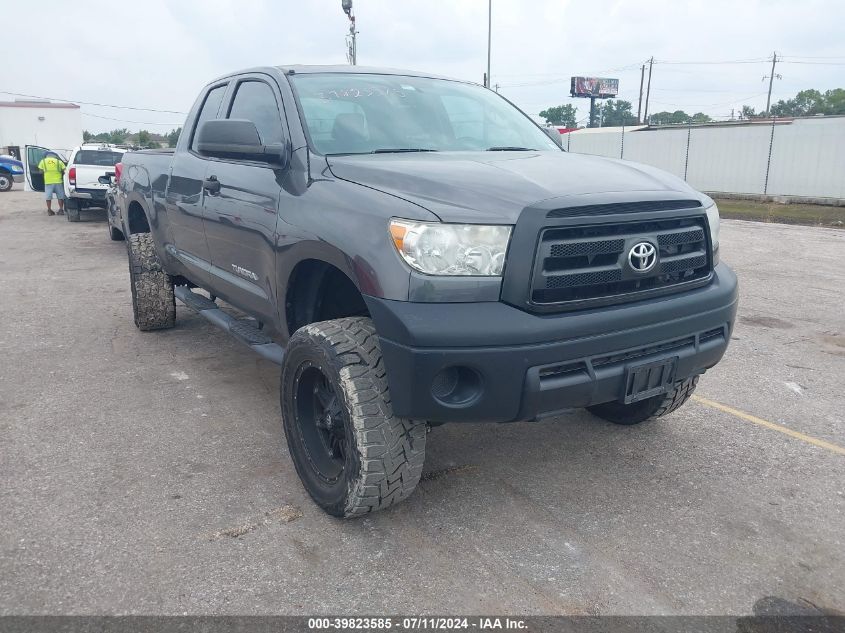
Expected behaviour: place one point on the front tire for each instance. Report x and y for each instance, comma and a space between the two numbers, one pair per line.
6, 182
648, 409
353, 455
153, 300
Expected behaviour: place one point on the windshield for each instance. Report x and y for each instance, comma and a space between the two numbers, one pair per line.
358, 114
97, 157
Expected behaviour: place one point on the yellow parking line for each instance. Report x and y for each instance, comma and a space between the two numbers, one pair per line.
834, 448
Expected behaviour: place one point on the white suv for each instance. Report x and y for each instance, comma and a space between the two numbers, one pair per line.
85, 178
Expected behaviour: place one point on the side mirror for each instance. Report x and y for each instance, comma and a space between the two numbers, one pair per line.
238, 139
107, 179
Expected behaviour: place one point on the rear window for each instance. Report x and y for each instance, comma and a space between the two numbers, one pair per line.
97, 157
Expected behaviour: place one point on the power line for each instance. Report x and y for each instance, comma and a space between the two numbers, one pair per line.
813, 63
108, 118
102, 105
710, 105
814, 56
702, 63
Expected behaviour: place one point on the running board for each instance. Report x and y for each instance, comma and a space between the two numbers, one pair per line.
243, 330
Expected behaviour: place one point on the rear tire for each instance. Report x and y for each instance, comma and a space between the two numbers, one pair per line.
351, 453
72, 210
153, 301
636, 412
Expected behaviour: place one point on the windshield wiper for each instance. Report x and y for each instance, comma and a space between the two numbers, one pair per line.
510, 149
399, 150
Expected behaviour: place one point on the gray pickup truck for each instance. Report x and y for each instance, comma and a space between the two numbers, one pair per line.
413, 250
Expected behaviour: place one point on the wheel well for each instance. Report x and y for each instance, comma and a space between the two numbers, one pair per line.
318, 291
138, 222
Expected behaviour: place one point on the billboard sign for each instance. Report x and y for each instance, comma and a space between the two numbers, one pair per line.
597, 87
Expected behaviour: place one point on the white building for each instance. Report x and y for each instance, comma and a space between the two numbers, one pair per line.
47, 124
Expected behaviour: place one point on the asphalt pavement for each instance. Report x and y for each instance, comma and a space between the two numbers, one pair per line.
147, 473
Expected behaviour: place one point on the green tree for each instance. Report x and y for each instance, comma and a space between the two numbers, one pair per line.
748, 113
563, 115
834, 101
677, 117
116, 136
805, 103
616, 113
144, 138
700, 117
86, 136
173, 137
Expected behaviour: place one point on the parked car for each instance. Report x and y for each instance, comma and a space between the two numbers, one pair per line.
414, 250
83, 188
112, 207
11, 171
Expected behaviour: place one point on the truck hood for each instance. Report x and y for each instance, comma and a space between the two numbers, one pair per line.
497, 186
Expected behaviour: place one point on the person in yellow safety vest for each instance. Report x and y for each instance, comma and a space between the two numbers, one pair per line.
53, 168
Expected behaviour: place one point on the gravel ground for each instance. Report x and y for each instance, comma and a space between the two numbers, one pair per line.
146, 473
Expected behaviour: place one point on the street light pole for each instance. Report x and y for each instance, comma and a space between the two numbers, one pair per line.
352, 52
489, 37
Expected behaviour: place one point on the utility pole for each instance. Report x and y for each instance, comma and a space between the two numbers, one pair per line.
351, 39
648, 90
640, 100
771, 79
489, 39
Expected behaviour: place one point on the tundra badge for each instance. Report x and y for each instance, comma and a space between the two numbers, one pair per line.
243, 272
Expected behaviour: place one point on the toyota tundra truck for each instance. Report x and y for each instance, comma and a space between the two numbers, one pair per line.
414, 250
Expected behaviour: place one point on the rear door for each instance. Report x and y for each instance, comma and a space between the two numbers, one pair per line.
34, 176
240, 217
183, 200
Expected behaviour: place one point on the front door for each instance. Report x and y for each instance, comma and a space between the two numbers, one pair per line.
34, 176
241, 210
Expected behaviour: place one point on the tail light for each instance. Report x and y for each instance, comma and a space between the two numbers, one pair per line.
118, 169
71, 175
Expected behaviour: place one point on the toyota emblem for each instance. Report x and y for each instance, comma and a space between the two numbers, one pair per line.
642, 257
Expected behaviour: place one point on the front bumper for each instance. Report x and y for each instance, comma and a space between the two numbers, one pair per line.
522, 366
17, 178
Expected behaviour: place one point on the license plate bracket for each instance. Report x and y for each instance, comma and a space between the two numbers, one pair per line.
649, 379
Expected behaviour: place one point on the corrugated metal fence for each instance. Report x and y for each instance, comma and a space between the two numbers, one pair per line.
803, 157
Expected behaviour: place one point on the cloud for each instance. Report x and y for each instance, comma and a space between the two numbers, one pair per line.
158, 53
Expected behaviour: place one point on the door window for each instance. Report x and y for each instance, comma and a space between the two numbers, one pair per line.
209, 110
97, 157
256, 102
34, 155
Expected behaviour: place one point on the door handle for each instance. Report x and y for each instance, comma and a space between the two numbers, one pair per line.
211, 185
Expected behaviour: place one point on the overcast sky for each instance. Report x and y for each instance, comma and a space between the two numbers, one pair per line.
158, 53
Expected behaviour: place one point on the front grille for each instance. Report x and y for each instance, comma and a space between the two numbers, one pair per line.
623, 207
587, 264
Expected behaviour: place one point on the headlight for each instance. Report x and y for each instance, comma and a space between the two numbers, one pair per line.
713, 222
434, 248
16, 170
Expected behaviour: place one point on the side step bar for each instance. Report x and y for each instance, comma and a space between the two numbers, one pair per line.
243, 330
